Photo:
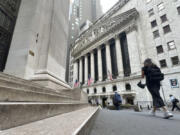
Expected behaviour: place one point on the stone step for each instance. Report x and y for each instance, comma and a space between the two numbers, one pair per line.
10, 94
73, 123
11, 81
13, 114
17, 89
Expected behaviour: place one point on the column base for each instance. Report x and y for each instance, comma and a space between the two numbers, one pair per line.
47, 79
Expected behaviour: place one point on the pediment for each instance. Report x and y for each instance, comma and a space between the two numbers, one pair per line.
101, 29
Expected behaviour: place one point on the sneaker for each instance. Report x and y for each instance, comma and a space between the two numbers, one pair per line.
152, 113
168, 115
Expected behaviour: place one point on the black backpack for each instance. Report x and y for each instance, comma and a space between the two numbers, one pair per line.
155, 74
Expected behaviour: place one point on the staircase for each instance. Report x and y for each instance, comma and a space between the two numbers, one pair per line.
23, 102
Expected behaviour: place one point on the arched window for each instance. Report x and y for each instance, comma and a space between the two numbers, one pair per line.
95, 90
114, 88
104, 90
87, 91
128, 87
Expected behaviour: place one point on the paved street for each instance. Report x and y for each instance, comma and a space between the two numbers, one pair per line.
133, 123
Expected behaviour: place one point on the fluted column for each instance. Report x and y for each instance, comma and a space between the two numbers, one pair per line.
86, 69
119, 57
99, 64
134, 53
75, 71
92, 66
108, 60
80, 70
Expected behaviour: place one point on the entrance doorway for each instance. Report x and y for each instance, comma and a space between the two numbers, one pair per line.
130, 100
8, 14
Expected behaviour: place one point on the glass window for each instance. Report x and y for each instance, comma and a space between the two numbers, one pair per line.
153, 24
163, 18
178, 9
156, 34
95, 91
159, 49
163, 63
160, 6
128, 87
104, 90
151, 12
175, 60
171, 45
166, 29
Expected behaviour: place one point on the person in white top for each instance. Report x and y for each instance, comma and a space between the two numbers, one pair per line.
174, 102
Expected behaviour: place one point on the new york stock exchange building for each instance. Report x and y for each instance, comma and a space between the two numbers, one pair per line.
111, 52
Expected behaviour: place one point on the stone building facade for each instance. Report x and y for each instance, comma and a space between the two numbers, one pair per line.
37, 43
113, 49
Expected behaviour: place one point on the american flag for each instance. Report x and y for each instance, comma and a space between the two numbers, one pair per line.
76, 84
89, 80
110, 75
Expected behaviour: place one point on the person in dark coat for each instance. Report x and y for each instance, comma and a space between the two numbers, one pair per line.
154, 88
174, 102
117, 101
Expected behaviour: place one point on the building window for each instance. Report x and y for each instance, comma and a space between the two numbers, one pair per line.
171, 45
151, 12
104, 90
95, 90
178, 9
160, 6
159, 49
87, 91
166, 29
175, 60
128, 87
163, 18
114, 88
153, 24
163, 63
156, 34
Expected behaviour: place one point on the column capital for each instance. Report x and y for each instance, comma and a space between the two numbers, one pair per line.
132, 27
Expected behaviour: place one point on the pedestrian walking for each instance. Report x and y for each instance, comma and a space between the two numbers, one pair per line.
153, 78
174, 102
117, 101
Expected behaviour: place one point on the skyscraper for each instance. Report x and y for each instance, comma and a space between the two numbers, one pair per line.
82, 14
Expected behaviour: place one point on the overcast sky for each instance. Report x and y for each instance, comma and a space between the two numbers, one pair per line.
107, 4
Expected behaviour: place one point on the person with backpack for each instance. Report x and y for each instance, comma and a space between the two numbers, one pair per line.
117, 101
174, 102
153, 78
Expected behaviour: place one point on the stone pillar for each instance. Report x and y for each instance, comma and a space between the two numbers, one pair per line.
92, 66
80, 70
119, 57
75, 72
134, 53
99, 65
108, 60
86, 69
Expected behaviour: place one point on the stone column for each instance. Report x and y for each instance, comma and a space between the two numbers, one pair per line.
86, 69
75, 72
92, 66
80, 70
119, 57
108, 60
134, 53
99, 65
